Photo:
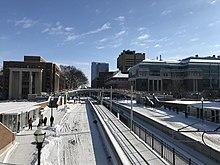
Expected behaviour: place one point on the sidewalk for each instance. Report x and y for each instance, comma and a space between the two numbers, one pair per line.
24, 150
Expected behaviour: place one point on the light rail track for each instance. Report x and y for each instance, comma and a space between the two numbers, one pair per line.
135, 150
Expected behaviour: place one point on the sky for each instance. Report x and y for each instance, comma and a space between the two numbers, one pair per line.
79, 32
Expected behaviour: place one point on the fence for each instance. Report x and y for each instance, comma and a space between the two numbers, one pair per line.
166, 151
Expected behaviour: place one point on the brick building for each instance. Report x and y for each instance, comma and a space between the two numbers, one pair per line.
128, 59
31, 76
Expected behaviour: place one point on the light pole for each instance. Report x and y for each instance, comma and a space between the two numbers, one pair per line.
39, 137
51, 102
111, 99
202, 99
131, 106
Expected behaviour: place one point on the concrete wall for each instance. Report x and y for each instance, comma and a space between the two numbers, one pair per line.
6, 137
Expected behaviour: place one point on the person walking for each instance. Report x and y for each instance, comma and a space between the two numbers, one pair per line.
45, 121
51, 121
30, 121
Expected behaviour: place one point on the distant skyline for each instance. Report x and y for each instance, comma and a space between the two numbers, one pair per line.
77, 33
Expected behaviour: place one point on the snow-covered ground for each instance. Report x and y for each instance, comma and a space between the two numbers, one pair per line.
73, 140
177, 121
72, 143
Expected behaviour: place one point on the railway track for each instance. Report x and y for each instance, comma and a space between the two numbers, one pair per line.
135, 150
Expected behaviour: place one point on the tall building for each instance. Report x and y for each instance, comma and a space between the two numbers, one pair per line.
127, 59
96, 68
31, 76
189, 75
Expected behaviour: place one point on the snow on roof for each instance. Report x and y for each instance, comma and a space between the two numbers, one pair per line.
161, 61
152, 60
206, 104
204, 61
120, 75
16, 107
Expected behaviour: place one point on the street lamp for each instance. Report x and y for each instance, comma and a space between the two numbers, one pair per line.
202, 99
51, 102
111, 99
131, 106
39, 137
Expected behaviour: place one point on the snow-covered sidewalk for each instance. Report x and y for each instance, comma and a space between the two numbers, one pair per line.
73, 139
24, 149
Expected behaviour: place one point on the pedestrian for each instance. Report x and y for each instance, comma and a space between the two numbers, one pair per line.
30, 121
45, 121
186, 114
51, 121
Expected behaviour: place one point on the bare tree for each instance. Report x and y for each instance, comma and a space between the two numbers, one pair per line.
74, 77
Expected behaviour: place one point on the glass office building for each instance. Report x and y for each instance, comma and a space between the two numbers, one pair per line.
189, 75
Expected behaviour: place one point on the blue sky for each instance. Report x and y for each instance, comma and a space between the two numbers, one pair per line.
78, 32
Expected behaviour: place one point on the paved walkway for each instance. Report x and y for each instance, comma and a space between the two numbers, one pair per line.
24, 151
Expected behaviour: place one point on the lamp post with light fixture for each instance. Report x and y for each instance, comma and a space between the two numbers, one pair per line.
131, 108
202, 117
39, 137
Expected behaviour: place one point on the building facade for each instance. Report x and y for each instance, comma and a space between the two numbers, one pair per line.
96, 68
31, 76
1, 83
118, 81
128, 59
190, 75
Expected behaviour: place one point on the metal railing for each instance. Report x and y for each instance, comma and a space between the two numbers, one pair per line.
167, 152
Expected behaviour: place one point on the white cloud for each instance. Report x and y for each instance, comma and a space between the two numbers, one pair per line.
103, 40
25, 23
143, 37
57, 29
100, 47
213, 2
194, 39
141, 28
116, 45
45, 30
157, 46
214, 23
71, 37
68, 28
164, 39
104, 27
120, 33
67, 33
120, 18
166, 12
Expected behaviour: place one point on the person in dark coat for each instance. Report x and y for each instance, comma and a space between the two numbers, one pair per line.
30, 121
51, 121
45, 121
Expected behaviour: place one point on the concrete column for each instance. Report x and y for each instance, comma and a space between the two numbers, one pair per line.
153, 84
10, 85
40, 80
20, 84
58, 83
30, 82
196, 85
36, 83
157, 85
148, 83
